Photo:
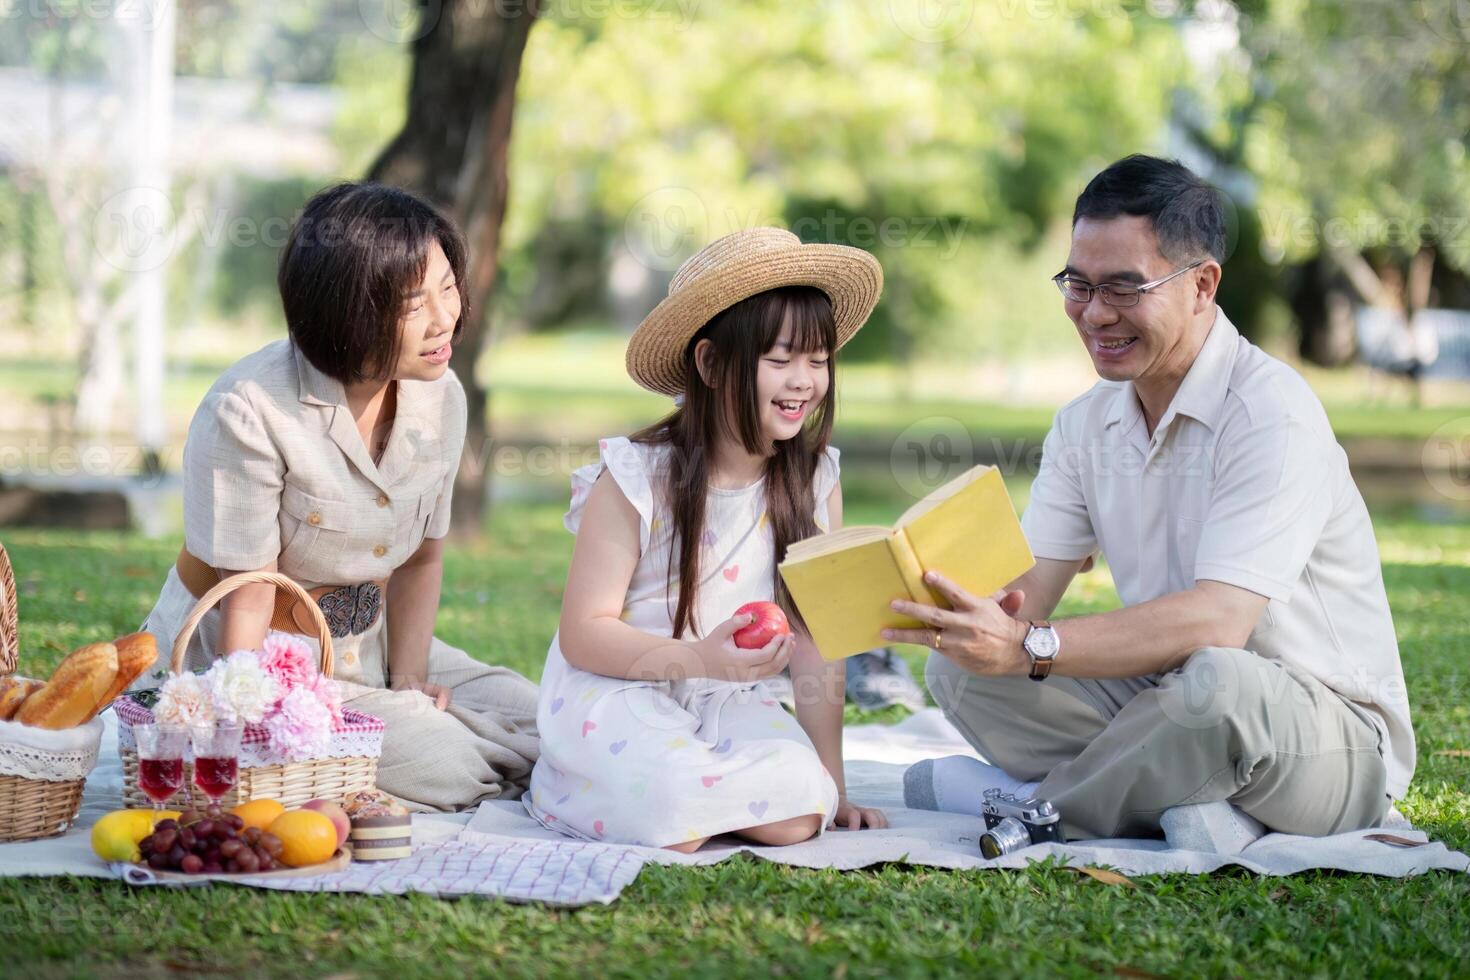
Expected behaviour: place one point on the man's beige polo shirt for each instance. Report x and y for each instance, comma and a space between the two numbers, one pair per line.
1243, 482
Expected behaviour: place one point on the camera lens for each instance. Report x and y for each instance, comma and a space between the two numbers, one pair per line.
1007, 836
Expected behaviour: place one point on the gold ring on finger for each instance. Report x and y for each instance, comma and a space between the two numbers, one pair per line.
939, 639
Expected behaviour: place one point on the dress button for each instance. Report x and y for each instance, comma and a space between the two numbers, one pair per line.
379, 551
314, 519
350, 658
382, 500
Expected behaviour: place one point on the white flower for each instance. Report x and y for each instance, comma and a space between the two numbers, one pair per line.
242, 690
184, 700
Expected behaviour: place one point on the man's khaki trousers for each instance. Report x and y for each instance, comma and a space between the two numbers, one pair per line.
1114, 754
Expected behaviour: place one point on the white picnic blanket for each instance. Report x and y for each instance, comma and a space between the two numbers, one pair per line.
877, 755
498, 850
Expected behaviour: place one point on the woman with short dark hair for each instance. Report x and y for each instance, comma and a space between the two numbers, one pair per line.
331, 457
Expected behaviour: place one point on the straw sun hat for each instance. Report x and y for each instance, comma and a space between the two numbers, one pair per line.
737, 267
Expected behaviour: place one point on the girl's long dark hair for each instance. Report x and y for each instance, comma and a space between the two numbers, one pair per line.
741, 336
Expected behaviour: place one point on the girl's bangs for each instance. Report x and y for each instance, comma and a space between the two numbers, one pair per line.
813, 328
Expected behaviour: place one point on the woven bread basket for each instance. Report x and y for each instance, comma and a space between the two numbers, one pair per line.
32, 806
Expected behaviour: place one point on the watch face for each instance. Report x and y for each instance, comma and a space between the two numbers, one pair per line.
1042, 643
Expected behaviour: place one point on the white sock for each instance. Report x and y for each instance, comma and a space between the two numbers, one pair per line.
957, 784
1215, 828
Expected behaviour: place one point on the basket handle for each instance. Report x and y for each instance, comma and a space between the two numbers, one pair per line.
9, 616
207, 602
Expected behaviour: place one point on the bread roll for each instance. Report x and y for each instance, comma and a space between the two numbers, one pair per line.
72, 694
13, 692
9, 685
136, 652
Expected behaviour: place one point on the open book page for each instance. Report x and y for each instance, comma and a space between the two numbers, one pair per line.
847, 537
941, 494
824, 544
842, 582
972, 538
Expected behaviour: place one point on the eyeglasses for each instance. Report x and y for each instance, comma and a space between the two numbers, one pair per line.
1113, 293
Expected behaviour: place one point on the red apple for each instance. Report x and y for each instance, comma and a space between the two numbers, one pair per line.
769, 622
334, 812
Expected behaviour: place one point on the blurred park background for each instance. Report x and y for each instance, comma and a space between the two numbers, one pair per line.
154, 153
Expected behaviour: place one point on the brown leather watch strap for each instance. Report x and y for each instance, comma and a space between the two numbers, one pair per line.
1040, 669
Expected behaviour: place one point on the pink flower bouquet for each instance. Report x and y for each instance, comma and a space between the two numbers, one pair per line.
277, 689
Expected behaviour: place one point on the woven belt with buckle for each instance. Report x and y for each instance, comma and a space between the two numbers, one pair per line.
349, 609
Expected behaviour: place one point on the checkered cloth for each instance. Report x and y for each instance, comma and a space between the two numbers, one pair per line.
550, 872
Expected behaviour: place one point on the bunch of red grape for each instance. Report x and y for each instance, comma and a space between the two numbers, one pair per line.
210, 843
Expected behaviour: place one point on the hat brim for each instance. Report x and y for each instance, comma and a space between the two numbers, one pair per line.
851, 278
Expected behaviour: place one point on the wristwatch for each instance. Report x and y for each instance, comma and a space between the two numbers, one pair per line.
1042, 644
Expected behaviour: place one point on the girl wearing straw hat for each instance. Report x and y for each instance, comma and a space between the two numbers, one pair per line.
656, 728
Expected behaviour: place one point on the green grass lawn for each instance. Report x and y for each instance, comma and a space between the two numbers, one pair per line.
744, 917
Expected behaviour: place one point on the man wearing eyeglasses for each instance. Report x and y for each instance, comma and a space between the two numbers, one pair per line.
1254, 660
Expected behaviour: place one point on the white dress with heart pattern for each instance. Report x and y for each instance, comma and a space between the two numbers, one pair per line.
659, 763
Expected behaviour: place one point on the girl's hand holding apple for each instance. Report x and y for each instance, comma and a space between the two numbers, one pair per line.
723, 658
768, 621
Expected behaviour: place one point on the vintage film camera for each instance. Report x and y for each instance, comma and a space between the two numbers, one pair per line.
1012, 823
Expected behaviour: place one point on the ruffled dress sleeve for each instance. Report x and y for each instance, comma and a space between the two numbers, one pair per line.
824, 481
630, 465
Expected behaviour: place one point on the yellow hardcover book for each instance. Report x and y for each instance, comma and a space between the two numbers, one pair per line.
842, 582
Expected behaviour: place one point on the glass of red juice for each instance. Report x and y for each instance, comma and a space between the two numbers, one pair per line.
160, 761
216, 759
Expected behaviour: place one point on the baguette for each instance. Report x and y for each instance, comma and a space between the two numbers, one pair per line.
136, 652
71, 696
13, 692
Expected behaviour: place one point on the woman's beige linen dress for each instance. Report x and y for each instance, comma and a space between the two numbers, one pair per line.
275, 469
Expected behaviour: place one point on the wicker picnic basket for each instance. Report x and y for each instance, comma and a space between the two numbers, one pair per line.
42, 772
351, 762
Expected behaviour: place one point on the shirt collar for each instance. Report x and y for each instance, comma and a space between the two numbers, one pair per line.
1124, 408
1201, 394
405, 440
318, 388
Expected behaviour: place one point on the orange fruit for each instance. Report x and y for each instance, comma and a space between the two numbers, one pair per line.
258, 813
307, 837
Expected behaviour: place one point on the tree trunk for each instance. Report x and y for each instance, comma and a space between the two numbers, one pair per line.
100, 369
453, 150
1321, 299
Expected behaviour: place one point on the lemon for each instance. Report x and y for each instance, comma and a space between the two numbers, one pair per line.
115, 836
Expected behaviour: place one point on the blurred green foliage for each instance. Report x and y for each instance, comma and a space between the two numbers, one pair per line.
949, 139
1355, 117
947, 149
